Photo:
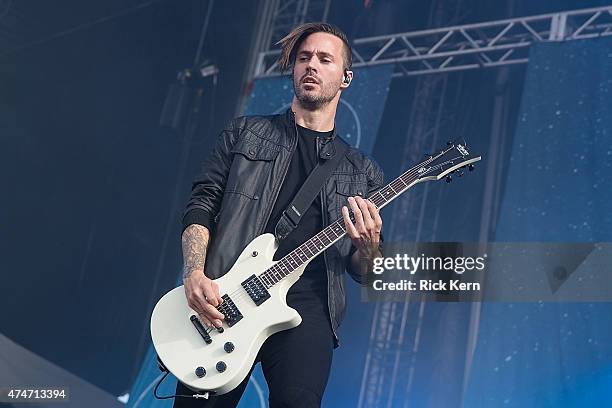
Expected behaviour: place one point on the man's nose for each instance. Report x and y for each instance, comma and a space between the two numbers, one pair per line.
312, 65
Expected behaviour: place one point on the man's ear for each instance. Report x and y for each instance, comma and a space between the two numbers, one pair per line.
346, 79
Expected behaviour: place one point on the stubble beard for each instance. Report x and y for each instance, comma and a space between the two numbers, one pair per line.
311, 100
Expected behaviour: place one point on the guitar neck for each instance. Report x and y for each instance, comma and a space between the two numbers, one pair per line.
336, 230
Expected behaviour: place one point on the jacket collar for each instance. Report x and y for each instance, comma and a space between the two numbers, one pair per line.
328, 150
290, 117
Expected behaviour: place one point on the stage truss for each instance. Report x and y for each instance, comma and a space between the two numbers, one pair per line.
469, 46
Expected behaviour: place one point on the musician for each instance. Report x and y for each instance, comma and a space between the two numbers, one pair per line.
257, 166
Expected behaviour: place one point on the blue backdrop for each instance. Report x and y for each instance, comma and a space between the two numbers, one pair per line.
558, 190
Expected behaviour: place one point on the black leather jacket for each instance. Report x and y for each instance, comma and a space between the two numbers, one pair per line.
234, 194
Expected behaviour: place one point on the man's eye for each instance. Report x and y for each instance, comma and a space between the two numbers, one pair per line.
326, 60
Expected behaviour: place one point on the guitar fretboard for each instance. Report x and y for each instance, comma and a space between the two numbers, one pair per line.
336, 230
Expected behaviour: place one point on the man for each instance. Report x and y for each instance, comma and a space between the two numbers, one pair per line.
253, 173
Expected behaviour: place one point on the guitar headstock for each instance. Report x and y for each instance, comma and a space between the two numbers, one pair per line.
451, 160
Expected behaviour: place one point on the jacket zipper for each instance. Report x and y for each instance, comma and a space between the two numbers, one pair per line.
323, 219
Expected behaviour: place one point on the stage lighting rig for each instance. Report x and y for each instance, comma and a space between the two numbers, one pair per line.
185, 92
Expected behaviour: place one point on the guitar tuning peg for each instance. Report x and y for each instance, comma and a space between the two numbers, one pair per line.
449, 179
471, 167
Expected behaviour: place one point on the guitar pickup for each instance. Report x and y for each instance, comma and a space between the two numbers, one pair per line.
230, 311
256, 290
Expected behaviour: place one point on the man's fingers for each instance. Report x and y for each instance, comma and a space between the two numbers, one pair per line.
368, 222
359, 226
205, 320
375, 214
348, 224
217, 293
375, 211
212, 311
203, 297
210, 315
194, 298
209, 293
198, 303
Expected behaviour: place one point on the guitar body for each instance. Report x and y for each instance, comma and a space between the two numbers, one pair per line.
254, 292
182, 348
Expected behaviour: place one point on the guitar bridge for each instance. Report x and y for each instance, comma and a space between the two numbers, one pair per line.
230, 311
200, 328
256, 290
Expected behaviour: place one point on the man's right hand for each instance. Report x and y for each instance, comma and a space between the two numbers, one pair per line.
203, 297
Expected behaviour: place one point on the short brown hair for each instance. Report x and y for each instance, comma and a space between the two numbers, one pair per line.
292, 41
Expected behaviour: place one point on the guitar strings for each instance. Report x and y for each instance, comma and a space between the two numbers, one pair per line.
239, 294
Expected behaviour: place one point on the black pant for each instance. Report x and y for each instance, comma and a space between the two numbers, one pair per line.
295, 362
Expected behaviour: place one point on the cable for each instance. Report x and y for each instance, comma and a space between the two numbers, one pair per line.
162, 397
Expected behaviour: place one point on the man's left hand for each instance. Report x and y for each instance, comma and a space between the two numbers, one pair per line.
365, 232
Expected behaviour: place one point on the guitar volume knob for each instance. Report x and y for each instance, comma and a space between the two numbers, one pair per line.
200, 372
221, 366
228, 347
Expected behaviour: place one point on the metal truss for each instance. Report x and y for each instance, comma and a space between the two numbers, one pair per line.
293, 12
393, 326
470, 46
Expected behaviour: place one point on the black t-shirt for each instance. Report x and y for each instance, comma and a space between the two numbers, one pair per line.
314, 278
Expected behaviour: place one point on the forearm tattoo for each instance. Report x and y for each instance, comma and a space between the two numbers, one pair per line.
195, 242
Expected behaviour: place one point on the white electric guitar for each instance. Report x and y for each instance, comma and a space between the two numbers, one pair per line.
254, 295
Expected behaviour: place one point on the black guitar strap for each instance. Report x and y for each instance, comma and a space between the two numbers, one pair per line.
331, 153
